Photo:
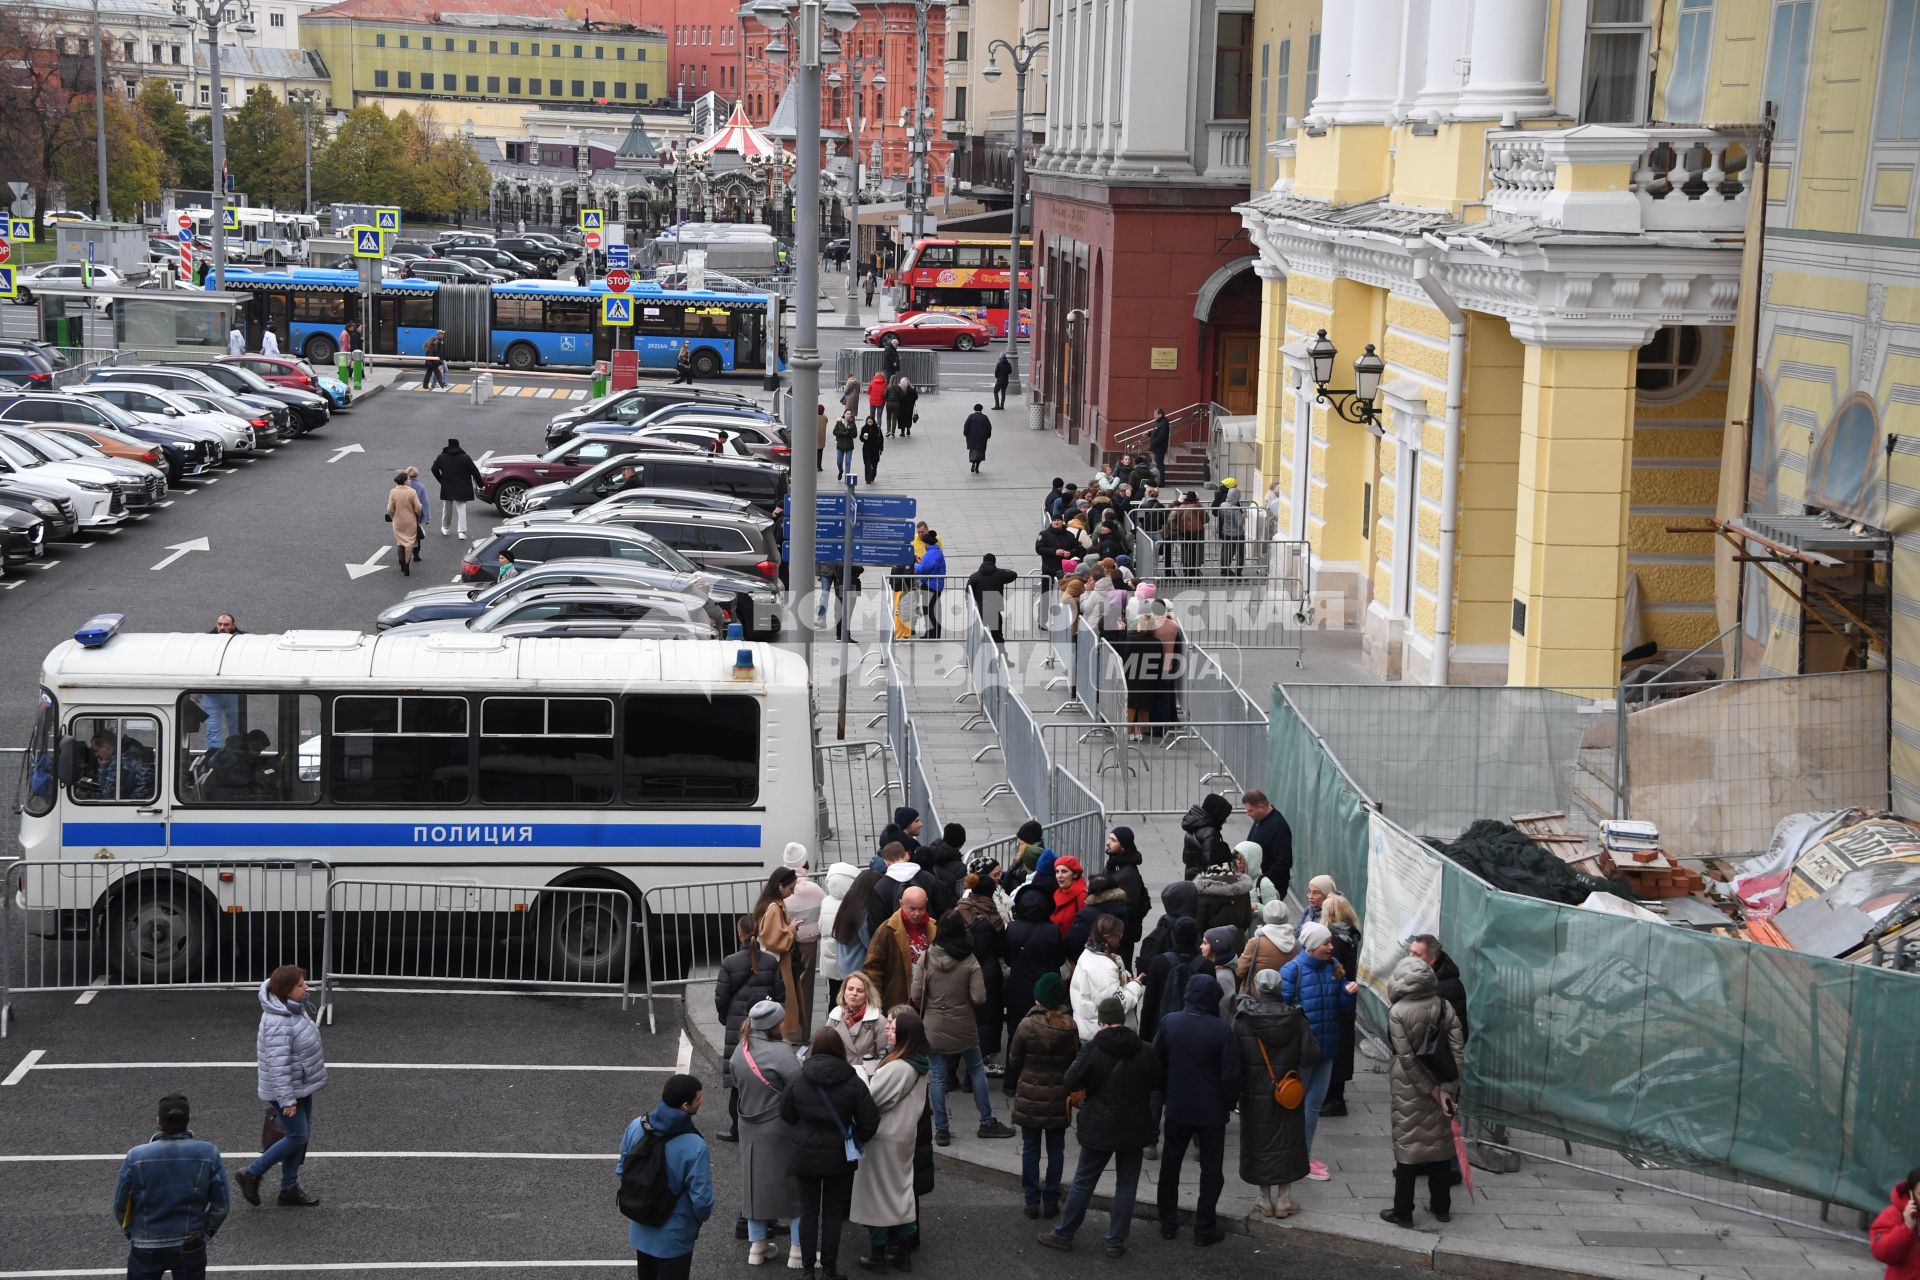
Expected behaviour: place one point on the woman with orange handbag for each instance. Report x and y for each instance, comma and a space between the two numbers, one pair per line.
1275, 1043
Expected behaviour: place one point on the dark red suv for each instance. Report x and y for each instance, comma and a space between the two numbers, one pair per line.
505, 481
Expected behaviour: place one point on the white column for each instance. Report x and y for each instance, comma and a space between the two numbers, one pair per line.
1449, 24
1509, 52
1336, 32
1372, 61
1099, 149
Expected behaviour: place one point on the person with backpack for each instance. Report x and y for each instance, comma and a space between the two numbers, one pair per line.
1315, 981
1428, 1048
830, 1116
764, 1067
1275, 1043
666, 1182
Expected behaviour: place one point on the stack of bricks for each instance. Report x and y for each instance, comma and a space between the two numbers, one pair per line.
1650, 873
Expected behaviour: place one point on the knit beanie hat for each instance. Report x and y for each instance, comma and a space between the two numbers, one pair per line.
1267, 982
795, 856
981, 863
1225, 941
1050, 992
905, 816
766, 1015
1110, 1011
1313, 935
1030, 832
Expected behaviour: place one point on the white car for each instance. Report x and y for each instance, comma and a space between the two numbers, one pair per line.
96, 503
140, 485
166, 408
64, 273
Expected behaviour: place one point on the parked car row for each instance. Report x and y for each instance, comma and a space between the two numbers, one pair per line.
474, 257
91, 456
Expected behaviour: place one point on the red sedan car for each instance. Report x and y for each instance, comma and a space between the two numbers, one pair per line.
931, 329
282, 371
504, 481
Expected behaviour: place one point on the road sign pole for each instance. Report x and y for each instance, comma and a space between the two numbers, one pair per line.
846, 596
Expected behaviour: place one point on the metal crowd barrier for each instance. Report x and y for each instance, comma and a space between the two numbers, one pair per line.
902, 737
203, 924
570, 937
687, 929
1166, 771
857, 787
1224, 716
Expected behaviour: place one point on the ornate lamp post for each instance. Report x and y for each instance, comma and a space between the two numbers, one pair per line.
1354, 404
856, 67
212, 14
1022, 56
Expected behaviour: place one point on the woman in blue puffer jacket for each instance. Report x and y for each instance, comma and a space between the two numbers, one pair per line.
292, 1069
1316, 982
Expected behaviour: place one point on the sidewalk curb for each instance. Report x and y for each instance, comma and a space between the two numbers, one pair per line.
1470, 1258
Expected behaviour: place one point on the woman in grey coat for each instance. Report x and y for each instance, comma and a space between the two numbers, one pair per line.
1423, 1106
764, 1066
292, 1069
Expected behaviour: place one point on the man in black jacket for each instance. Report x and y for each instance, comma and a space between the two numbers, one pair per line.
458, 478
1200, 1064
1116, 1073
988, 585
1202, 845
1055, 546
1158, 439
1275, 838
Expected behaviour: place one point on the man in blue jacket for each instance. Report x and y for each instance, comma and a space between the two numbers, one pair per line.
665, 1252
931, 569
1200, 1073
171, 1198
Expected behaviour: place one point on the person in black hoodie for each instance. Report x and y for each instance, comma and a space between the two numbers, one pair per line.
1123, 872
946, 864
746, 977
1177, 899
1034, 947
1203, 846
904, 830
1116, 1074
1200, 1065
828, 1105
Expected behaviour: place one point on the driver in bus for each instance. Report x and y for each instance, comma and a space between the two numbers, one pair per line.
109, 766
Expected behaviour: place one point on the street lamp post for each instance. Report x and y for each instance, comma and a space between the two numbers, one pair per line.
105, 209
212, 14
811, 20
1022, 56
306, 125
856, 68
917, 197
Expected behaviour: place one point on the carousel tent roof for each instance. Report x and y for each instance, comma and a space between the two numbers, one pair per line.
737, 136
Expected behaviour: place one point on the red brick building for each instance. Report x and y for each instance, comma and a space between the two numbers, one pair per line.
703, 45
1148, 298
886, 30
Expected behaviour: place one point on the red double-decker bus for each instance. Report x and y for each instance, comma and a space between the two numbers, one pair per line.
966, 277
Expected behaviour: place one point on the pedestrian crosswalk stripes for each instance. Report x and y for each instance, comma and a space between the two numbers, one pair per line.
537, 393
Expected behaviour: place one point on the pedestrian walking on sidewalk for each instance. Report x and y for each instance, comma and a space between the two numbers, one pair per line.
746, 978
851, 397
1002, 376
829, 1115
845, 432
1275, 1043
171, 1198
458, 477
1044, 1046
1315, 981
1113, 1078
292, 1068
683, 365
764, 1067
403, 513
947, 988
426, 510
872, 444
820, 440
664, 1250
1200, 1064
1894, 1236
886, 1195
977, 430
1426, 1089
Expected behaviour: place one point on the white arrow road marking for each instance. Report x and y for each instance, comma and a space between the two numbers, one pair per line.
344, 450
180, 549
370, 565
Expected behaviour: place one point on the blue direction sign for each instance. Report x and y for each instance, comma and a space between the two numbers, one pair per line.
619, 255
887, 506
882, 528
887, 553
186, 235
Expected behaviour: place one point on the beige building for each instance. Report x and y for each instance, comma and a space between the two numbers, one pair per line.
977, 116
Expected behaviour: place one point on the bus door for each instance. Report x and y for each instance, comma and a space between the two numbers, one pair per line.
272, 310
111, 766
385, 338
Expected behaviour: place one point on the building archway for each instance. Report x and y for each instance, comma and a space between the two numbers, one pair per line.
1227, 306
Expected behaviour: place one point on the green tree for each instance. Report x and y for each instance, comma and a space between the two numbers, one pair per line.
186, 157
362, 163
133, 171
266, 150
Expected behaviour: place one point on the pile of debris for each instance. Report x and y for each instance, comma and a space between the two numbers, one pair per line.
1507, 858
1642, 864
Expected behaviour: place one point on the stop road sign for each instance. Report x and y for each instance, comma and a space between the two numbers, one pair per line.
593, 239
6, 254
617, 280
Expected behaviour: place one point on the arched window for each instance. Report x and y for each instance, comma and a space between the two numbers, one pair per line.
1846, 462
1677, 362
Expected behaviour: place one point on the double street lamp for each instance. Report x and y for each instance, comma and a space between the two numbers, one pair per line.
212, 14
1022, 56
857, 66
813, 23
1354, 404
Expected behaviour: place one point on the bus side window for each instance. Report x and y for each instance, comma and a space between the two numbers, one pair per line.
249, 748
122, 759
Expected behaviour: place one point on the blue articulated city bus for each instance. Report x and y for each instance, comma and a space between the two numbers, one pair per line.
527, 324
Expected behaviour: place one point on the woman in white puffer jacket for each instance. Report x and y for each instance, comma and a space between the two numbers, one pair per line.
292, 1069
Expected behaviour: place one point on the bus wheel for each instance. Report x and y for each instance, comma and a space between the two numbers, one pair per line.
586, 934
522, 357
511, 498
705, 363
320, 349
156, 929
963, 343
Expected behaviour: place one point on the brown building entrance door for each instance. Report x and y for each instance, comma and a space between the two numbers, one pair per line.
1236, 363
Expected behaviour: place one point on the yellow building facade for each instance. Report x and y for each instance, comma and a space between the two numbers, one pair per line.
1545, 244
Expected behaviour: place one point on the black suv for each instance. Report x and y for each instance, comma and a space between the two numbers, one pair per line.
543, 256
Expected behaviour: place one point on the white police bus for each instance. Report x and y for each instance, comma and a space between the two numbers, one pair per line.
464, 759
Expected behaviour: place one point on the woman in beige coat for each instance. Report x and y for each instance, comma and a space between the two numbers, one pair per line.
778, 935
884, 1200
403, 510
1423, 1104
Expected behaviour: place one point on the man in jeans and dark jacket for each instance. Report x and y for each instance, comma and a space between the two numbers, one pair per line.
1115, 1073
1201, 1065
171, 1198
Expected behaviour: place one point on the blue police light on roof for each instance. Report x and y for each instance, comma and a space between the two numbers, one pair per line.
99, 629
735, 631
